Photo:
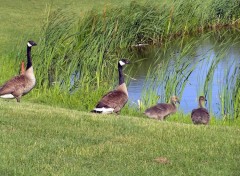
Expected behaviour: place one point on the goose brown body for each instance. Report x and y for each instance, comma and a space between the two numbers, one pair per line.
22, 84
162, 110
114, 100
200, 115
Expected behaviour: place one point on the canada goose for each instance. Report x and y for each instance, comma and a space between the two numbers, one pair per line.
114, 100
161, 110
22, 84
200, 115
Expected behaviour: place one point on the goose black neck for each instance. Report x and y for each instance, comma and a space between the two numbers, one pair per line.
29, 58
121, 77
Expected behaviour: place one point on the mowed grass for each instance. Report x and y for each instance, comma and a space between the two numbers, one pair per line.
19, 19
44, 140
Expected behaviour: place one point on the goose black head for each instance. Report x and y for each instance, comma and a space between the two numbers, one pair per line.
31, 43
123, 62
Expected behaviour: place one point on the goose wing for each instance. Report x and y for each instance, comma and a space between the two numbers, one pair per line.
115, 99
162, 107
13, 85
157, 108
159, 111
200, 112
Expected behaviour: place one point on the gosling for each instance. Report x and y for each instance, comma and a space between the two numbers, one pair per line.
200, 115
162, 110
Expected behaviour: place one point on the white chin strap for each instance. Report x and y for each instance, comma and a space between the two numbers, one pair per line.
29, 44
121, 63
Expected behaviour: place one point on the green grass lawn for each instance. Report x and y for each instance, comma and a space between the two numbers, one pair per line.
23, 18
43, 140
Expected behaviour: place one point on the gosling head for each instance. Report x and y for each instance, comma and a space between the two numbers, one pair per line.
31, 43
175, 99
123, 62
202, 99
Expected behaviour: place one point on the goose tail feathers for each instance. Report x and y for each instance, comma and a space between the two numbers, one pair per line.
103, 110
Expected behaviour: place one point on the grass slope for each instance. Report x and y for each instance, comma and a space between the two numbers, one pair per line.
25, 18
43, 140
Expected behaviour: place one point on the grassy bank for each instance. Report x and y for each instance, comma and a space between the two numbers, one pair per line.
42, 140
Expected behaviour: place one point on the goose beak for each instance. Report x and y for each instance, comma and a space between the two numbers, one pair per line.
178, 102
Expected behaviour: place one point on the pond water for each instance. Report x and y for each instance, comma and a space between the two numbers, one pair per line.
202, 65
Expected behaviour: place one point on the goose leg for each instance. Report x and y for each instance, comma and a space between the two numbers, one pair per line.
160, 118
18, 99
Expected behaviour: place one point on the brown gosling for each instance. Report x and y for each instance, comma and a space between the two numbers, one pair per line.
114, 100
162, 110
21, 84
200, 115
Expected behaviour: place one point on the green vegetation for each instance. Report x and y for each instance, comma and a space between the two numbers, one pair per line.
76, 54
42, 140
77, 51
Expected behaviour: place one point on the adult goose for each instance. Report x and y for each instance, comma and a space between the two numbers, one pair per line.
200, 115
22, 84
162, 110
114, 100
